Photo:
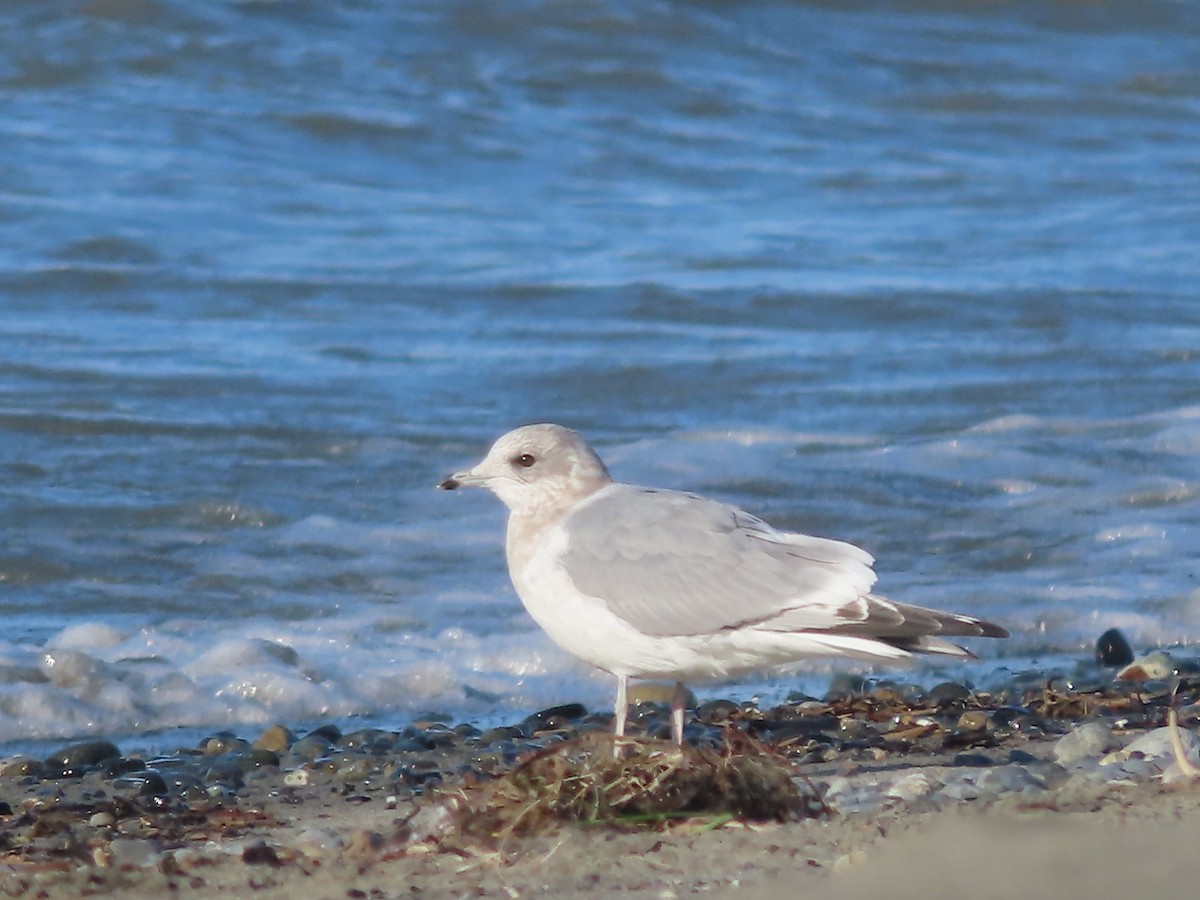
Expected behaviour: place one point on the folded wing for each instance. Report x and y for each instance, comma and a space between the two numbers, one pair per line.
674, 564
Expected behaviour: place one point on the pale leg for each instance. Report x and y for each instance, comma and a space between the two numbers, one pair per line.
622, 708
678, 701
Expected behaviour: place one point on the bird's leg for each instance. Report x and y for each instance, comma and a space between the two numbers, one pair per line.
678, 702
621, 712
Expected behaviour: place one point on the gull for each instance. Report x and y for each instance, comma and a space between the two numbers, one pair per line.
649, 583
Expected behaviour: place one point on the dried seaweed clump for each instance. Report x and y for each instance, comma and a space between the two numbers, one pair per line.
649, 784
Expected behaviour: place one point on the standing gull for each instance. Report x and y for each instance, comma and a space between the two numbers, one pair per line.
648, 583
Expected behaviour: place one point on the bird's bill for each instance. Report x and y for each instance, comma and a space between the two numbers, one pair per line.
466, 478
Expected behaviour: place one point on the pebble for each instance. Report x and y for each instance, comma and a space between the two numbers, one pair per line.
82, 755
912, 786
946, 694
864, 731
1156, 746
136, 852
1088, 741
1113, 650
312, 746
277, 738
20, 766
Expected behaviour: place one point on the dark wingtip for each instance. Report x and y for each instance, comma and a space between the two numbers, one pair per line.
449, 484
987, 629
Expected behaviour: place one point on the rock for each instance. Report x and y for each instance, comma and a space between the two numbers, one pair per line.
82, 755
102, 819
715, 712
1156, 745
138, 853
298, 778
845, 685
277, 738
146, 783
974, 720
658, 693
1113, 650
20, 766
1003, 779
555, 717
261, 854
1086, 742
946, 694
225, 742
312, 746
911, 787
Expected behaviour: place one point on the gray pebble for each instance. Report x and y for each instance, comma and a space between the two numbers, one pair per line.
1088, 741
136, 852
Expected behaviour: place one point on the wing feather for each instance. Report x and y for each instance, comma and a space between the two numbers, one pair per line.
676, 564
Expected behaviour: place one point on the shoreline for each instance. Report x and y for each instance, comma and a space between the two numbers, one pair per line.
932, 792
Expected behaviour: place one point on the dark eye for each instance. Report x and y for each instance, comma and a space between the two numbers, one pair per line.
525, 460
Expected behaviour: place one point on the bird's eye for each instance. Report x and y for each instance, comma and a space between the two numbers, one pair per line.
525, 460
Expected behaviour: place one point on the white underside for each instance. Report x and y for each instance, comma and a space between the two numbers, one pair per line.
584, 627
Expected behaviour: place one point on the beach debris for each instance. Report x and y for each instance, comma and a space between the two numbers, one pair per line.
651, 785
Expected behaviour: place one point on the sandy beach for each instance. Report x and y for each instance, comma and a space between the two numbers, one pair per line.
1087, 838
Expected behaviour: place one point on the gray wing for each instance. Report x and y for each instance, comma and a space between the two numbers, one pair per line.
676, 564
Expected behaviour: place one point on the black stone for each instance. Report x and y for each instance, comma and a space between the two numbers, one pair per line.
82, 755
554, 718
261, 854
1113, 650
147, 783
121, 766
975, 760
331, 733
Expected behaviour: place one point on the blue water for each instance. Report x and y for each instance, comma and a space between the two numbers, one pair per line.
918, 275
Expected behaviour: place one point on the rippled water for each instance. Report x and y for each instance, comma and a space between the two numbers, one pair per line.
920, 275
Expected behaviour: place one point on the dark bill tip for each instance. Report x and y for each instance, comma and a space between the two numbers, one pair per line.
450, 484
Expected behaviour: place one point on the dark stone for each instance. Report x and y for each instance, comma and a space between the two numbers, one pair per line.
83, 755
1021, 757
500, 734
257, 759
1113, 650
374, 740
261, 854
845, 685
146, 783
716, 711
946, 694
312, 746
968, 737
554, 718
974, 760
114, 768
331, 733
